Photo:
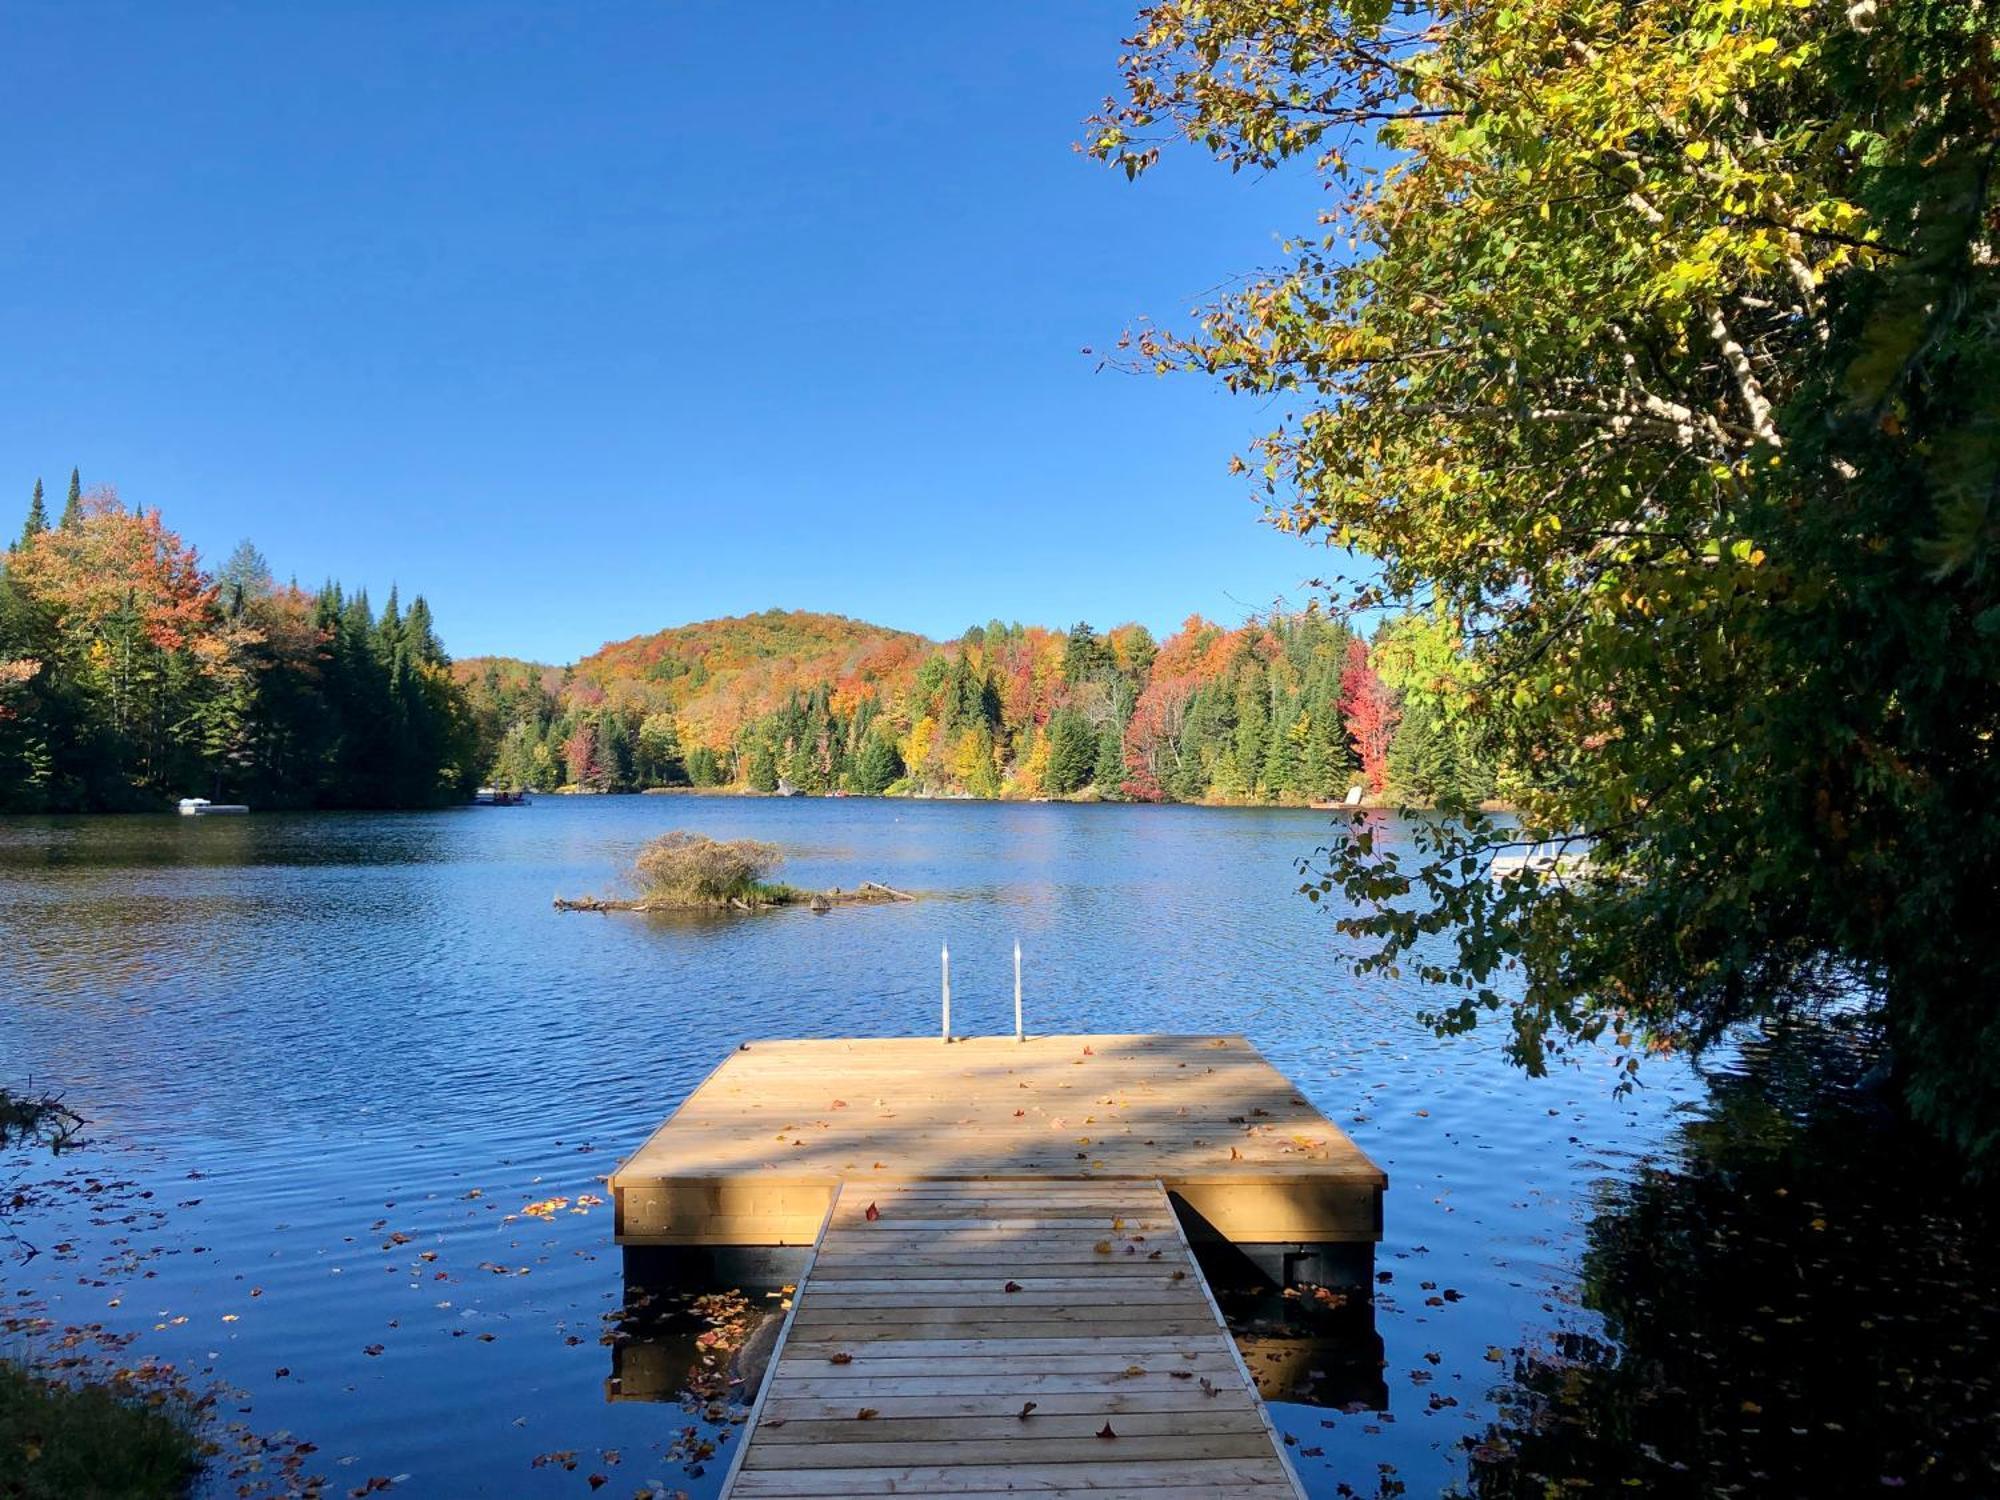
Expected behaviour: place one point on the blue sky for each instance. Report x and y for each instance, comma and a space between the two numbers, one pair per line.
587, 320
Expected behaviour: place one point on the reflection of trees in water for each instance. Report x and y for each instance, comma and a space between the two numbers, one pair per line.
1805, 1302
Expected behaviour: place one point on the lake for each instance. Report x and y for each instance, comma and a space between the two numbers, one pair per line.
329, 1059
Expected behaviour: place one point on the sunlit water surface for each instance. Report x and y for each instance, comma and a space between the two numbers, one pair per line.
329, 1059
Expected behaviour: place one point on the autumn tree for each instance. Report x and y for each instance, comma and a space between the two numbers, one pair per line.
1653, 343
1369, 713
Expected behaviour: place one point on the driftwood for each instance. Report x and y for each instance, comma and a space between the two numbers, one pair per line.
868, 893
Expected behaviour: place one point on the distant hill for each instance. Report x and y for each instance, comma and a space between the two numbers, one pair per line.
717, 675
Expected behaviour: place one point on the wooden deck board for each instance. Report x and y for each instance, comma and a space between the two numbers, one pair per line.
930, 1132
918, 1385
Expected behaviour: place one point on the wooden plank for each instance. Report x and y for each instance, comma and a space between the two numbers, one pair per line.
1159, 1348
1044, 1451
907, 1370
1111, 1360
1185, 1398
1010, 1427
831, 1385
1207, 1478
752, 1156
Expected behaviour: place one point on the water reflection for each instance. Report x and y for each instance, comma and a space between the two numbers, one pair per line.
1805, 1301
698, 1344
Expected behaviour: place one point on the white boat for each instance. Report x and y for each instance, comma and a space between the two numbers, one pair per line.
201, 807
1539, 862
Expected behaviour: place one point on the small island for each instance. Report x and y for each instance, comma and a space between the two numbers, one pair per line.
682, 871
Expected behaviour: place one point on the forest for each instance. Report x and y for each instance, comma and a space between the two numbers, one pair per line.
1291, 707
130, 676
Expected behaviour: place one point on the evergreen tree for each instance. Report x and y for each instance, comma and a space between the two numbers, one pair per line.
878, 766
1281, 751
38, 517
1085, 657
1072, 752
72, 515
1253, 733
1108, 775
246, 574
704, 768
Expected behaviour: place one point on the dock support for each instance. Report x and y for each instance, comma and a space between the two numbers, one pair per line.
947, 991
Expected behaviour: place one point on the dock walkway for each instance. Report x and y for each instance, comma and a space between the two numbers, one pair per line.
985, 1338
1021, 1311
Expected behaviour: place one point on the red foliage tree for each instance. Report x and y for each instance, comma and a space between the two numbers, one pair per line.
1370, 714
582, 759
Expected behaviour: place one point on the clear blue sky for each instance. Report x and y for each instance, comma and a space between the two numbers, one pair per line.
585, 320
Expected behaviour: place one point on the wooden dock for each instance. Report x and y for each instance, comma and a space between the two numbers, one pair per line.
995, 1288
985, 1338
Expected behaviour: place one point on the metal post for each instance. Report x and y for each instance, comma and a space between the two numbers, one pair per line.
1019, 1034
947, 991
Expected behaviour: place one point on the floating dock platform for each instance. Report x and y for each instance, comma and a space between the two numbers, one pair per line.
992, 1240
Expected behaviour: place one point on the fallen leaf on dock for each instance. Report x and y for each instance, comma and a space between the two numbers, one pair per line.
873, 1213
842, 1357
1026, 1407
867, 1414
1012, 1286
1106, 1432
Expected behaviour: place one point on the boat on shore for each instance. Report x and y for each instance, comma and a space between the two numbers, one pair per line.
201, 807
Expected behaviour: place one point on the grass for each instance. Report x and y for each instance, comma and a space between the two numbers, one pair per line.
65, 1442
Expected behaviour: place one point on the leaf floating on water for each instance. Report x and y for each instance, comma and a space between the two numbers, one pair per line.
1106, 1432
598, 1481
372, 1350
1026, 1407
872, 1214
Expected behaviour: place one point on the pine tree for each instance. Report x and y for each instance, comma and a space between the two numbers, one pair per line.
1281, 749
878, 766
1108, 776
38, 517
1072, 752
72, 516
1085, 656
